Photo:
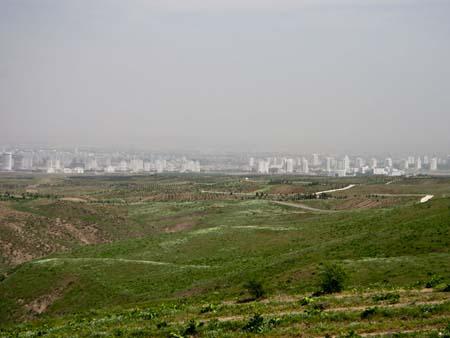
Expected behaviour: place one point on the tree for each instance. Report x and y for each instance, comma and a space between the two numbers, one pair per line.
332, 278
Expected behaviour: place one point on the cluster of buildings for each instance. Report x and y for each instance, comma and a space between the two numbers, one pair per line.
347, 166
76, 162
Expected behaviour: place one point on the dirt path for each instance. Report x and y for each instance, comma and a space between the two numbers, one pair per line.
336, 309
302, 206
333, 190
115, 260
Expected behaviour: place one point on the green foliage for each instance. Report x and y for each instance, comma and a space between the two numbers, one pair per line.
192, 328
255, 288
434, 281
166, 241
388, 297
445, 333
332, 278
369, 312
350, 334
255, 324
306, 301
208, 308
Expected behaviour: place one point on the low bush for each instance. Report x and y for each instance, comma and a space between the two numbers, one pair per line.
389, 297
208, 308
369, 312
332, 278
255, 324
434, 280
255, 289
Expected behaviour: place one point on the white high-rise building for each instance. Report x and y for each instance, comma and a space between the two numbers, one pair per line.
160, 166
373, 163
418, 163
388, 162
411, 160
263, 167
433, 163
147, 166
405, 164
289, 165
316, 160
305, 167
426, 160
91, 164
346, 163
137, 165
110, 169
123, 166
251, 162
329, 164
359, 162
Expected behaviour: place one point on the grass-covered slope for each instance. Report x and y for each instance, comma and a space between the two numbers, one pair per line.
226, 244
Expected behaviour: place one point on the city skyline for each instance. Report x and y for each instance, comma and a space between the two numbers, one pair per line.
53, 160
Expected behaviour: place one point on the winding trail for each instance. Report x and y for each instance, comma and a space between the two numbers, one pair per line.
333, 190
330, 310
303, 206
116, 260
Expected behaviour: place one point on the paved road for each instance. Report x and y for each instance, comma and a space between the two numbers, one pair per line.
426, 198
333, 190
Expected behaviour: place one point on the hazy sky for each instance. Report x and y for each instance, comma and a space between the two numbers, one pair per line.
311, 75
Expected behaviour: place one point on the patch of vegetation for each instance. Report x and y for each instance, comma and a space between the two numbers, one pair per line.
255, 288
433, 281
173, 253
369, 312
257, 324
332, 278
389, 297
208, 308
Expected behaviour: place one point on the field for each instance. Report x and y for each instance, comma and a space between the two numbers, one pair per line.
172, 256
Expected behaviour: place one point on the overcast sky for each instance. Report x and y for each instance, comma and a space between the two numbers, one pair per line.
311, 75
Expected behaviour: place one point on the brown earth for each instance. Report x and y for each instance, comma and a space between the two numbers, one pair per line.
41, 304
25, 236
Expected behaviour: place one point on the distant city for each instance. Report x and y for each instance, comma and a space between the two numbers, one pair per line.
100, 162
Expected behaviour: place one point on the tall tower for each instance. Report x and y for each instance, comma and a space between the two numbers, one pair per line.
6, 161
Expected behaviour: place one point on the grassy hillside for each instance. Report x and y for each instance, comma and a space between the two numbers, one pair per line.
166, 261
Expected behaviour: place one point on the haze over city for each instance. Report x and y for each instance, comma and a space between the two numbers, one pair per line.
304, 76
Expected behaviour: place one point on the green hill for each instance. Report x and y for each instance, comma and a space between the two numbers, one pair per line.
189, 260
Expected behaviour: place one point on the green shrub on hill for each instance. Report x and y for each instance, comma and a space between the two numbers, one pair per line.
332, 278
255, 288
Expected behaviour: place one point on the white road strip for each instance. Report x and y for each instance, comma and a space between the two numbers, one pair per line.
333, 190
426, 198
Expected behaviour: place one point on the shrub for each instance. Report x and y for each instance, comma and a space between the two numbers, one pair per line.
161, 325
255, 288
208, 308
369, 312
332, 278
191, 328
255, 324
389, 297
445, 333
434, 280
306, 301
